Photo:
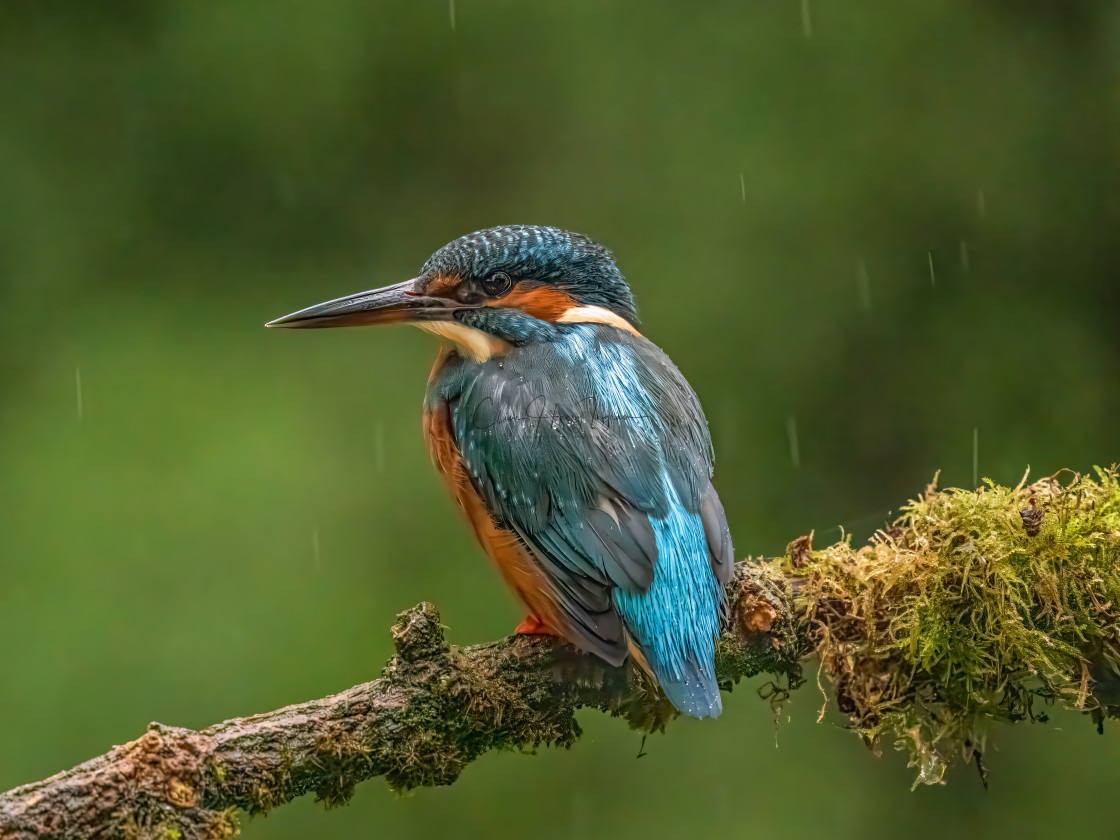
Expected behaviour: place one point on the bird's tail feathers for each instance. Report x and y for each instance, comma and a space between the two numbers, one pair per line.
693, 689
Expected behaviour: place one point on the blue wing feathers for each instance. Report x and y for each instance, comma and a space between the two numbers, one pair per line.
721, 554
595, 451
676, 622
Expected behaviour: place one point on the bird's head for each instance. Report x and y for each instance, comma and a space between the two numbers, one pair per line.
485, 280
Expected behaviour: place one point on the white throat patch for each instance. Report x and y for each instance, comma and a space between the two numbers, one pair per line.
477, 344
596, 315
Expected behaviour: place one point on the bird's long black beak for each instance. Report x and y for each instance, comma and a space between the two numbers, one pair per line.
390, 305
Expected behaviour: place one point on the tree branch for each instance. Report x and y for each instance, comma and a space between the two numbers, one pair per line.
974, 607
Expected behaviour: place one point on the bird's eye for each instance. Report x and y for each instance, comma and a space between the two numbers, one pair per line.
497, 284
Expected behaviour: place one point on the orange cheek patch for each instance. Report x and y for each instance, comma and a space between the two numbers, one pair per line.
545, 304
442, 285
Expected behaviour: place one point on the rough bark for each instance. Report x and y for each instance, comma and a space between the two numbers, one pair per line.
434, 709
1047, 556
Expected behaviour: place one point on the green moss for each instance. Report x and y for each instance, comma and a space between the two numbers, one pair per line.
342, 761
272, 785
957, 616
467, 711
217, 770
155, 823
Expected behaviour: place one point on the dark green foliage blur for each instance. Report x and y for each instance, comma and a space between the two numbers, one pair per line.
872, 227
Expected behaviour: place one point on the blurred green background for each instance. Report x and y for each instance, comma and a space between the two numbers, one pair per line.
874, 227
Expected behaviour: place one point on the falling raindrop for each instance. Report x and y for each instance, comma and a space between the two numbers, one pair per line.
966, 264
975, 456
451, 12
794, 449
806, 19
932, 275
78, 385
743, 187
863, 284
379, 448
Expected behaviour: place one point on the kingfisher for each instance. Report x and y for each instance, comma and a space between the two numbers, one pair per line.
576, 449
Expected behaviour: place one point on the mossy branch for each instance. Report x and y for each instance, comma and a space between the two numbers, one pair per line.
974, 607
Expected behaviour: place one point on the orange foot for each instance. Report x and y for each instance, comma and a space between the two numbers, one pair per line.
533, 626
